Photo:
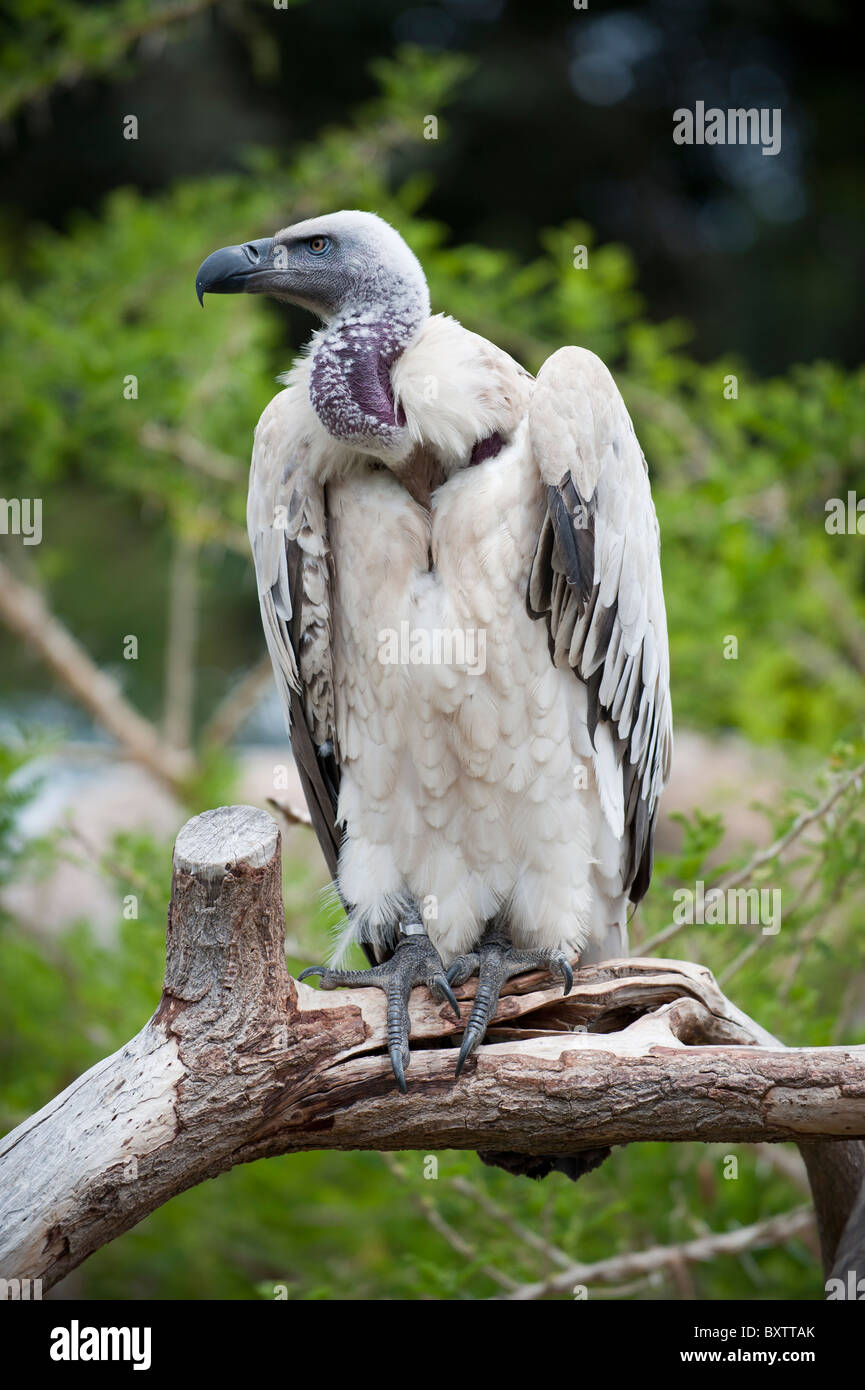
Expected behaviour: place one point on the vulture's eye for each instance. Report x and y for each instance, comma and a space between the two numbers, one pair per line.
318, 245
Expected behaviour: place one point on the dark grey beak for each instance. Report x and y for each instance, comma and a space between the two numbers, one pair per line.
234, 269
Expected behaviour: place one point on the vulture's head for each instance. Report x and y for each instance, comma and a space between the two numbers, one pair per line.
342, 266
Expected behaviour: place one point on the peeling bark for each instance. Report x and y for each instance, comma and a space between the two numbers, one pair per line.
241, 1062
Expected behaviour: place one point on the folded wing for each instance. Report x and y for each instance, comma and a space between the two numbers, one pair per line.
596, 579
287, 522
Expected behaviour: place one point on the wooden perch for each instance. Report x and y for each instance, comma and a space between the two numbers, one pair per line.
241, 1062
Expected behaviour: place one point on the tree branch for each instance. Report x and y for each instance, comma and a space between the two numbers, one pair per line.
190, 451
238, 704
25, 612
777, 1230
735, 877
242, 1062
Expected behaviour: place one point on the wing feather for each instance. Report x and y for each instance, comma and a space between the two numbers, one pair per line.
287, 523
596, 579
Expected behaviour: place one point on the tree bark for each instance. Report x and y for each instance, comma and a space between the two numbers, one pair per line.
240, 1062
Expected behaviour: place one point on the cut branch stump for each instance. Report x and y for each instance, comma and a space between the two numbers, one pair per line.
241, 1062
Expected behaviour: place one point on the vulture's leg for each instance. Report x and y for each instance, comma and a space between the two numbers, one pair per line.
414, 962
494, 962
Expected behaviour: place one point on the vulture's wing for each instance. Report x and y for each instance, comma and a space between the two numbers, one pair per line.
596, 578
287, 521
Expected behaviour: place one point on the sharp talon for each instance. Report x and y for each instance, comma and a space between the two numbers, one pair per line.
443, 985
414, 961
482, 1011
470, 1042
461, 969
398, 1069
569, 976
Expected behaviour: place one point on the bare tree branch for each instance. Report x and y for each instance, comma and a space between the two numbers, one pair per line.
524, 1234
800, 824
242, 1062
443, 1227
765, 856
292, 815
836, 1172
25, 612
240, 701
190, 451
777, 1230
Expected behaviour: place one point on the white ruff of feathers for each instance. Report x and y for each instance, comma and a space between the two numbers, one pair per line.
472, 792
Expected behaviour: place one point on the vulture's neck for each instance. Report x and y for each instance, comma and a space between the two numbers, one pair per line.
350, 386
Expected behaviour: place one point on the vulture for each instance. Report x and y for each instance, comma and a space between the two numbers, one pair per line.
459, 576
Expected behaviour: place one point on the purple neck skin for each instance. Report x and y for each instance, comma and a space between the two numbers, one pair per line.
486, 448
350, 386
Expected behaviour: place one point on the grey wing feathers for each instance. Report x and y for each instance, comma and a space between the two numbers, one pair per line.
286, 518
596, 578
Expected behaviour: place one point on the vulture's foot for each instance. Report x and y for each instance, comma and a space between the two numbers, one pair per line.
494, 962
414, 962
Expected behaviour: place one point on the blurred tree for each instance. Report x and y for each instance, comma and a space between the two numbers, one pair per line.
135, 411
569, 112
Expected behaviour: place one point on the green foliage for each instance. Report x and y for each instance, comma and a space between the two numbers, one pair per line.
45, 45
20, 781
352, 1226
13, 798
806, 978
740, 484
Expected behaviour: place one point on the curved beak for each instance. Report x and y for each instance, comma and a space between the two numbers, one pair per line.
235, 269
